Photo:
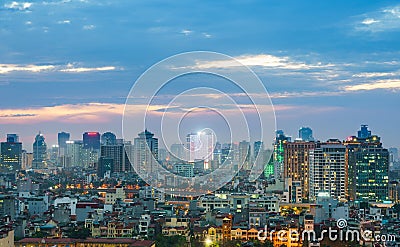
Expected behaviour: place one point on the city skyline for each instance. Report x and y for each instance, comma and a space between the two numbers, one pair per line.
79, 137
199, 123
332, 74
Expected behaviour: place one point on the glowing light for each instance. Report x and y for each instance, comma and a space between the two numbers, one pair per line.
208, 242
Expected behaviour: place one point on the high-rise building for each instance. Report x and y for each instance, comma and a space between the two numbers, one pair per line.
162, 154
7, 206
105, 167
262, 158
278, 155
184, 170
73, 155
364, 132
27, 159
12, 138
63, 137
54, 154
177, 153
145, 153
327, 170
244, 154
39, 152
393, 155
258, 146
91, 140
296, 160
10, 154
368, 167
108, 138
217, 154
91, 149
292, 192
90, 157
227, 150
119, 155
201, 147
306, 134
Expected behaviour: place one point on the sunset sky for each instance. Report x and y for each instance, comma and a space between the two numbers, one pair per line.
69, 65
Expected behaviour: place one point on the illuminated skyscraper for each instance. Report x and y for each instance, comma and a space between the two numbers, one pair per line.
201, 147
73, 155
278, 155
184, 170
368, 167
296, 163
327, 170
105, 167
11, 154
227, 150
119, 153
145, 153
91, 140
39, 152
91, 149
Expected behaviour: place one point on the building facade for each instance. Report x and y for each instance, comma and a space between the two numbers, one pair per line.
145, 153
327, 170
10, 155
296, 163
39, 152
367, 163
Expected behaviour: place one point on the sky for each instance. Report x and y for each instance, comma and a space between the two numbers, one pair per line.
69, 65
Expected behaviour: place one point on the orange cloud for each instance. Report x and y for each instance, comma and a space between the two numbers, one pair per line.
96, 112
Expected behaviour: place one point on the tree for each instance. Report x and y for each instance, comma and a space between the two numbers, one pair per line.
79, 233
39, 234
170, 241
268, 243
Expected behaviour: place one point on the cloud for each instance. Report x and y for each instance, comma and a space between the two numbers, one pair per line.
8, 68
69, 68
88, 27
64, 22
386, 19
69, 113
207, 35
17, 115
56, 2
283, 95
369, 21
18, 5
375, 74
379, 84
241, 96
186, 32
260, 60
